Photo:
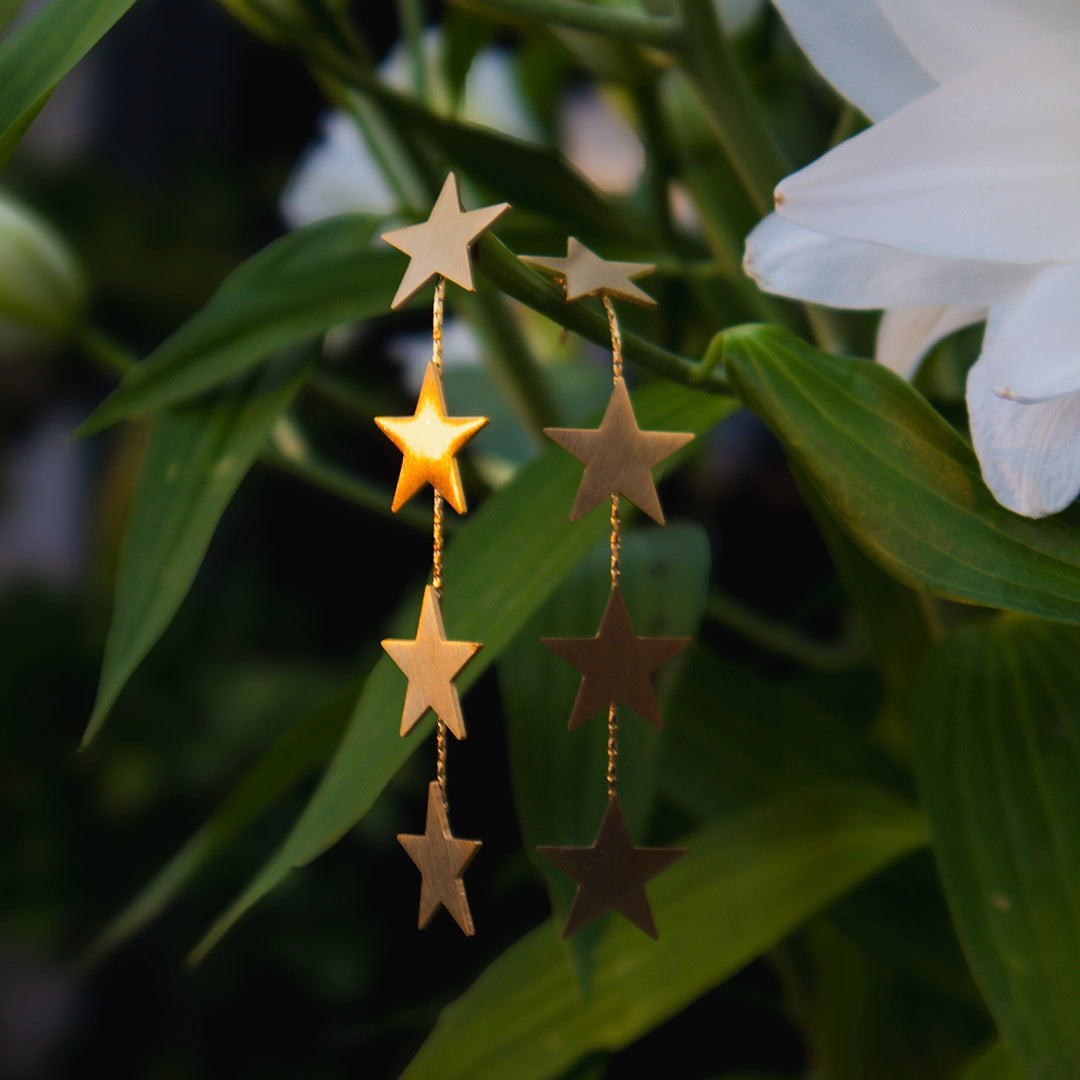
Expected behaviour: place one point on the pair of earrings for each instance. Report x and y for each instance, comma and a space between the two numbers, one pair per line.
616, 664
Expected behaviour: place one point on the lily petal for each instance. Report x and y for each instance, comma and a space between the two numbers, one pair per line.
855, 48
1030, 454
1032, 353
949, 38
983, 167
906, 335
789, 260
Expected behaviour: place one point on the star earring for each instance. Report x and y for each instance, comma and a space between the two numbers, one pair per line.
616, 664
429, 441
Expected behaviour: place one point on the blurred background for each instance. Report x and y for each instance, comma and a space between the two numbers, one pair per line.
162, 161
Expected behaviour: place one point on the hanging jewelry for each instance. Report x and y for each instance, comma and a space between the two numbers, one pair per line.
429, 440
616, 664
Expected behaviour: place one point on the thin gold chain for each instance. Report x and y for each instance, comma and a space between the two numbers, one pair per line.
616, 551
437, 513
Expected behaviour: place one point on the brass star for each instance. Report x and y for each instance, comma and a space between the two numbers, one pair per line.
440, 245
618, 456
587, 274
611, 874
429, 439
616, 664
431, 662
441, 859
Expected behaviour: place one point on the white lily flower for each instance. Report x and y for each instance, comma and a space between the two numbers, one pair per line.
961, 202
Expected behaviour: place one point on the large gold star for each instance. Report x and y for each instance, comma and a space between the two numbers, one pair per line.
618, 456
429, 439
441, 859
440, 245
586, 274
431, 663
615, 665
611, 874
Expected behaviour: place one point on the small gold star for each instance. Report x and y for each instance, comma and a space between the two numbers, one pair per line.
616, 664
431, 662
618, 456
441, 859
440, 245
611, 874
587, 274
429, 439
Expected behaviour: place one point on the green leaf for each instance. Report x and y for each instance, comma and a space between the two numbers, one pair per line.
40, 52
998, 750
293, 757
501, 565
734, 738
559, 777
526, 175
900, 480
195, 458
303, 284
745, 884
997, 1063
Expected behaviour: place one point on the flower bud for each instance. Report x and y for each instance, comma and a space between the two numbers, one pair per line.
42, 288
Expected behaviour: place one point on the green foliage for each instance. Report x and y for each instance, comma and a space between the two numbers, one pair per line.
998, 735
870, 748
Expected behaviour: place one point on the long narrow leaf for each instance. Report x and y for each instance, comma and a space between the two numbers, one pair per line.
744, 884
194, 461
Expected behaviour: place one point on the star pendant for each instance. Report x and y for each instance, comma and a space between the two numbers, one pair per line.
611, 873
586, 274
429, 439
618, 456
615, 665
441, 859
441, 244
431, 662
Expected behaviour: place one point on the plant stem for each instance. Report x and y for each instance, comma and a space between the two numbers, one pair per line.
506, 271
289, 451
657, 31
411, 18
707, 61
107, 354
782, 639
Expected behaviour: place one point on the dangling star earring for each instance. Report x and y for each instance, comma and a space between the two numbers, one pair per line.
429, 440
616, 664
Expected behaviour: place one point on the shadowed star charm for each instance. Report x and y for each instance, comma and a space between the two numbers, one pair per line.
431, 662
441, 859
616, 664
429, 439
611, 874
440, 245
586, 274
618, 457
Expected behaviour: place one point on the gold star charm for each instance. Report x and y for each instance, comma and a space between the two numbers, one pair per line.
611, 874
587, 274
441, 859
431, 662
616, 664
618, 457
440, 245
429, 439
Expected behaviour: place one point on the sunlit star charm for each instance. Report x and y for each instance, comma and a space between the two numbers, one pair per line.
615, 665
440, 245
611, 874
441, 859
618, 457
431, 662
586, 274
429, 439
